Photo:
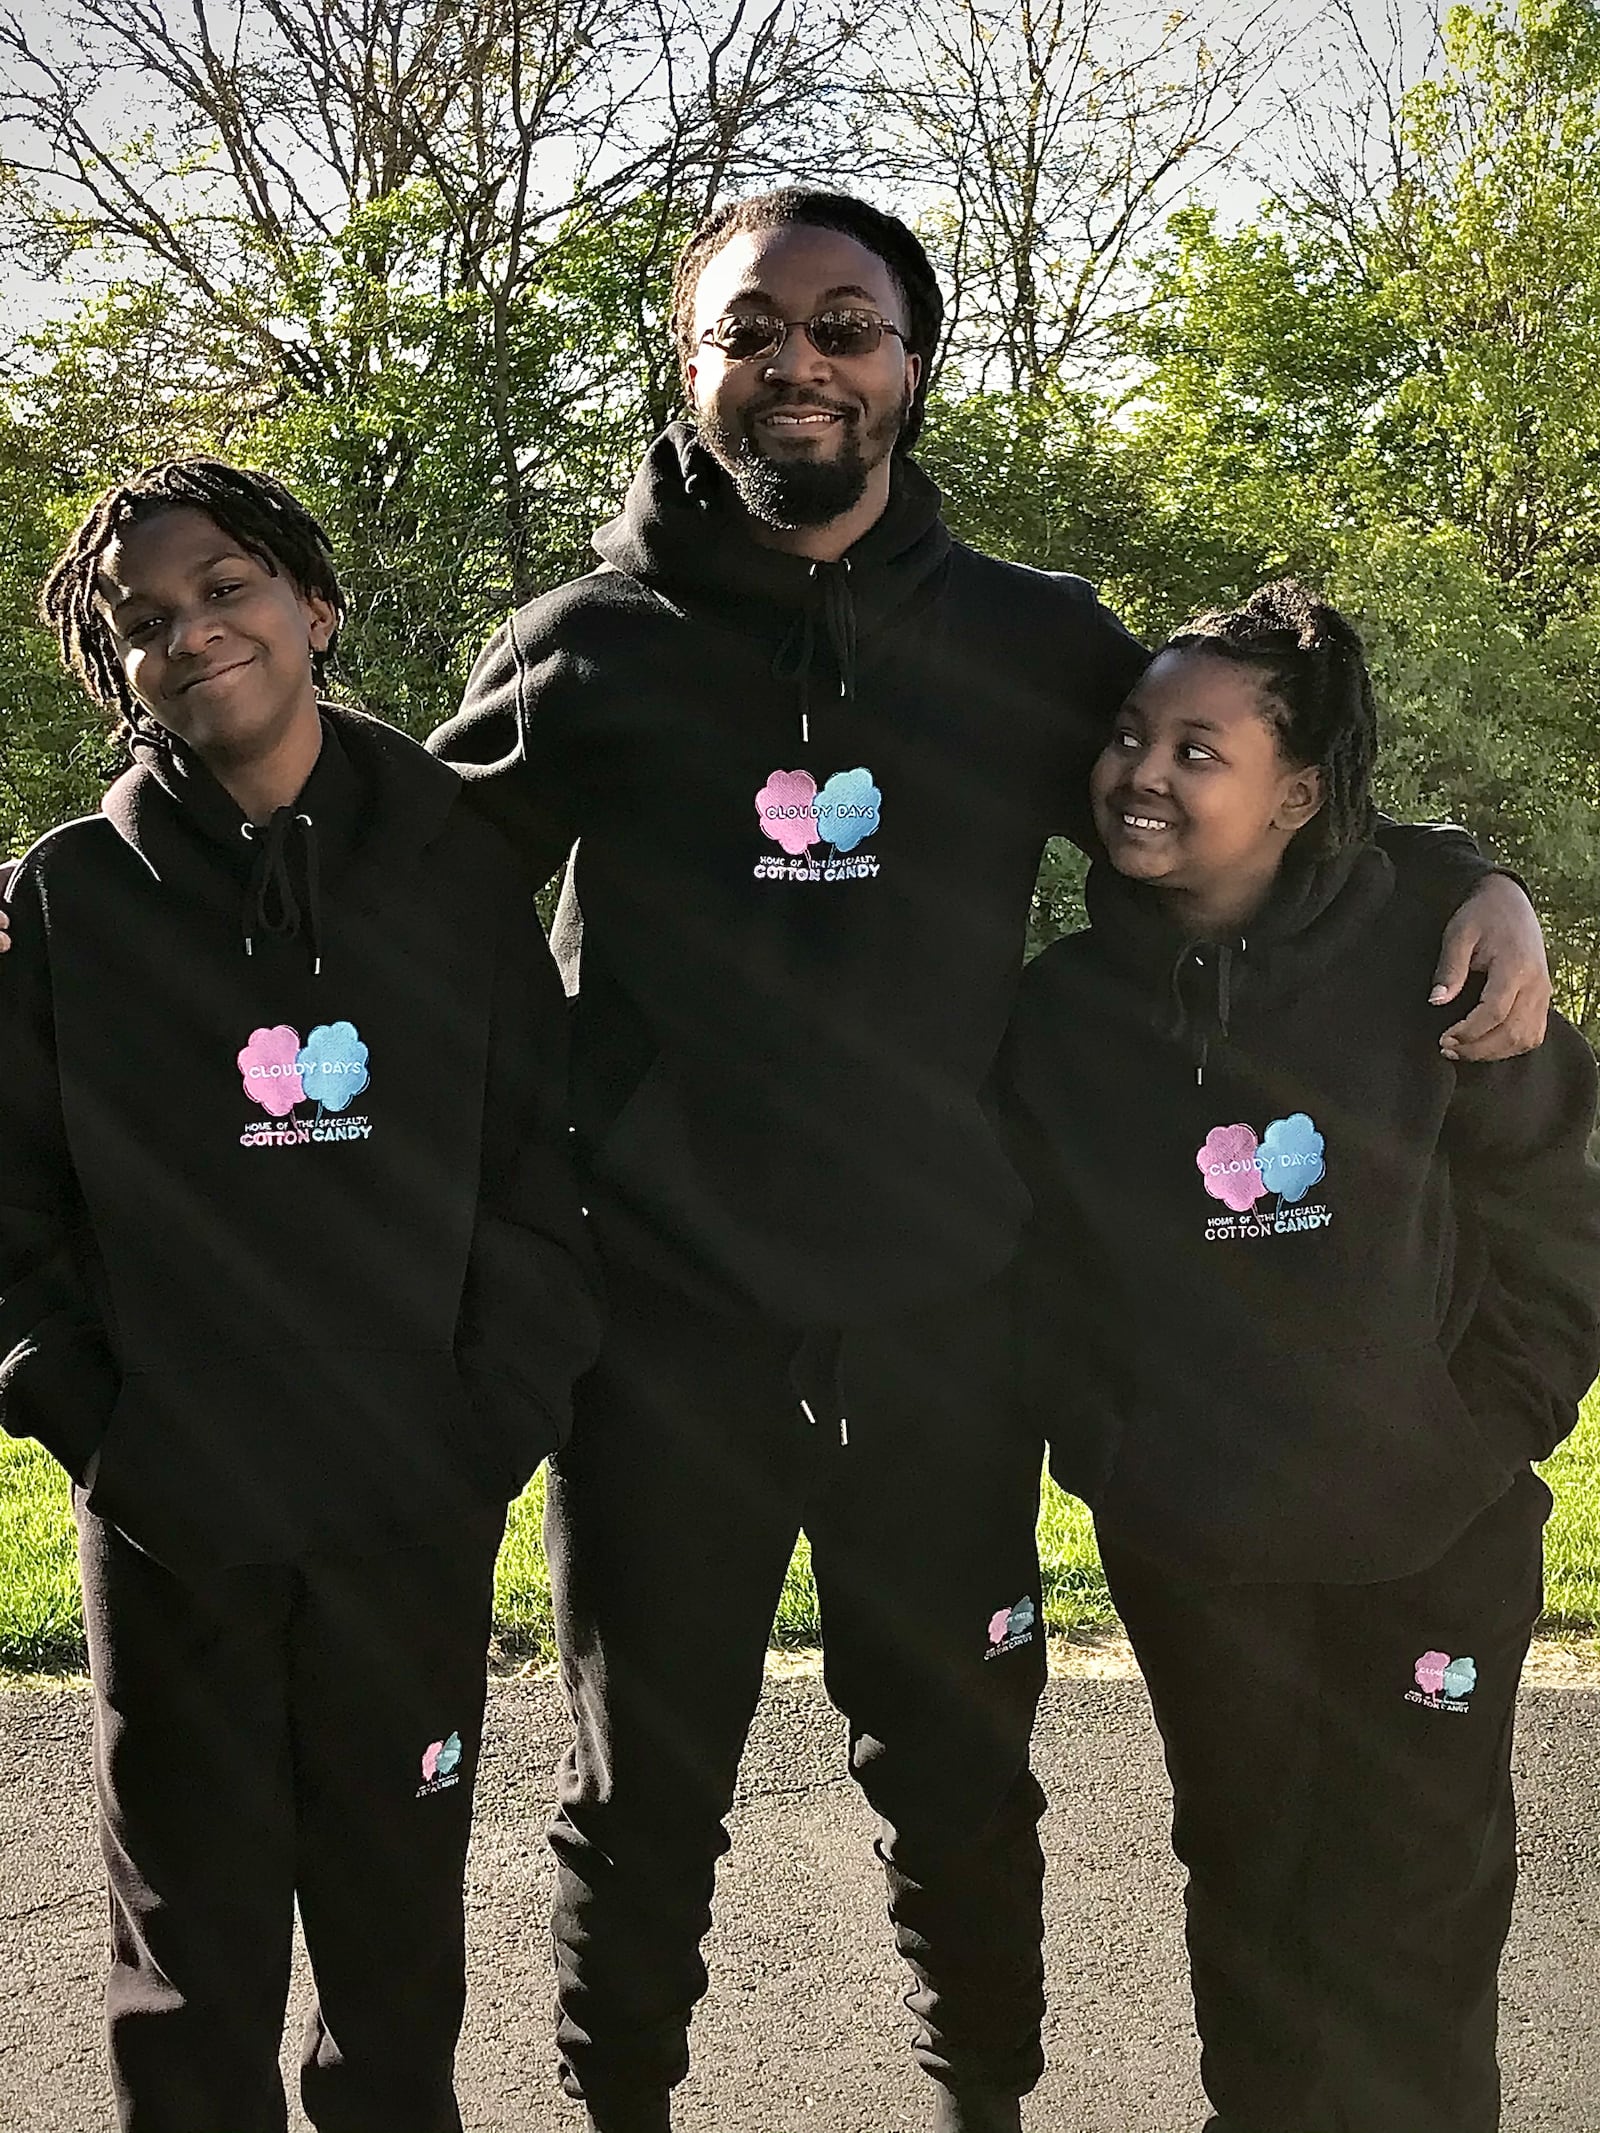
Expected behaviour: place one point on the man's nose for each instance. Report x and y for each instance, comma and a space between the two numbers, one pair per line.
797, 361
1149, 770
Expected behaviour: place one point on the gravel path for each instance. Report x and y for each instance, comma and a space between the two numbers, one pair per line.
802, 2032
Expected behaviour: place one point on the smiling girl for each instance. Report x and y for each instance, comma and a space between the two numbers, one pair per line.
1338, 1293
293, 1285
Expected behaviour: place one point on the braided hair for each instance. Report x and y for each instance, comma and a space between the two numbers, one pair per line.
1319, 696
885, 235
252, 509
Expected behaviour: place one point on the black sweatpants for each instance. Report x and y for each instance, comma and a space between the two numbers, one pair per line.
270, 1732
1341, 1769
671, 1519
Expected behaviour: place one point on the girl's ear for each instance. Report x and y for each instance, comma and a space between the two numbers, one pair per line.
1303, 794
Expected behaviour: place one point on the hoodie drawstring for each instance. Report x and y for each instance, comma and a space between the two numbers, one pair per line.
817, 1379
271, 908
833, 604
1180, 1025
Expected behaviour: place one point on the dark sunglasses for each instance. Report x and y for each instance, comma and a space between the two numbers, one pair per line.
742, 336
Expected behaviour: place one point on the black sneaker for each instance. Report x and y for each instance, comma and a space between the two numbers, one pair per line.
976, 2111
653, 2114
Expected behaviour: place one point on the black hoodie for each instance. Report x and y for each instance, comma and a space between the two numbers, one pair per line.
1302, 1296
289, 1256
811, 800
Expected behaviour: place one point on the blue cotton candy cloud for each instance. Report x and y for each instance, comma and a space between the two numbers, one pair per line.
848, 808
333, 1065
1290, 1157
1460, 1677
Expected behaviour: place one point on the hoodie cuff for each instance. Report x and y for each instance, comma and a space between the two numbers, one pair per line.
60, 1391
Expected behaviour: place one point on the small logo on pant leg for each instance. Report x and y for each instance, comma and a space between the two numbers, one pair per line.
1010, 1627
439, 1761
1443, 1683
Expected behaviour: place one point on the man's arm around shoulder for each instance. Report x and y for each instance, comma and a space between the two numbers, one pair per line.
509, 760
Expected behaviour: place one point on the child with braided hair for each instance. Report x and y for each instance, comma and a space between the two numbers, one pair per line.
293, 1283
1306, 1299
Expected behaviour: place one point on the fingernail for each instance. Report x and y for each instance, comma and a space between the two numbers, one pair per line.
1439, 995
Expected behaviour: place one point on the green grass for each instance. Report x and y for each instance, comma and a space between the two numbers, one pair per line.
1572, 1538
41, 1627
41, 1623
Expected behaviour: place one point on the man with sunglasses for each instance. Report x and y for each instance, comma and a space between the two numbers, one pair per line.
808, 749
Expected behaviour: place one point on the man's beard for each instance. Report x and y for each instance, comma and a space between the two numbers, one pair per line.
788, 494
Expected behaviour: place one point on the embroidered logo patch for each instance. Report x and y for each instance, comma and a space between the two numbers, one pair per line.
280, 1074
440, 1761
1241, 1170
1010, 1627
800, 819
1443, 1683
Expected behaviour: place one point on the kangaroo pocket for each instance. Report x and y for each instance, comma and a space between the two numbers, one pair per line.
259, 1458
1345, 1467
810, 1188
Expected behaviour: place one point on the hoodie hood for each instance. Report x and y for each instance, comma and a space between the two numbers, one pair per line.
372, 801
1316, 909
680, 534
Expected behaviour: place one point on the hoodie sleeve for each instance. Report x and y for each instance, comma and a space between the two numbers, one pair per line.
57, 1377
530, 1313
1518, 1135
504, 753
1438, 862
1070, 1380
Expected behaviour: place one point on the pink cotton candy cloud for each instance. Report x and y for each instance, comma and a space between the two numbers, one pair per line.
267, 1068
786, 810
430, 1760
1430, 1672
1227, 1163
1000, 1626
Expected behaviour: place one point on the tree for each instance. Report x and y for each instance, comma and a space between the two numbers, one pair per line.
408, 252
53, 760
1384, 384
1480, 245
1047, 140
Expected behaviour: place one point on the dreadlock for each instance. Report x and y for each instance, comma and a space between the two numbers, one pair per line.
252, 509
882, 234
1319, 695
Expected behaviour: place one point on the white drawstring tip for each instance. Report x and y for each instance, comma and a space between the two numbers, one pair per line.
844, 1430
805, 727
805, 1409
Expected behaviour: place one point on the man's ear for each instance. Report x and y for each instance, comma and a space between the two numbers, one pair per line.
1303, 795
